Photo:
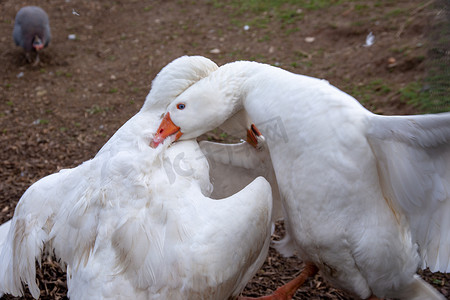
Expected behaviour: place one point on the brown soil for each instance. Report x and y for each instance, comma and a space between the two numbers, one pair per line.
59, 113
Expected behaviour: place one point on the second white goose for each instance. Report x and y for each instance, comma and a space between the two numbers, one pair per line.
367, 197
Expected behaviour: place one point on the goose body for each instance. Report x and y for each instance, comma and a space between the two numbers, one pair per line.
138, 223
367, 197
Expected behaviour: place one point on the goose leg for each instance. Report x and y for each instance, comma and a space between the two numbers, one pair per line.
287, 291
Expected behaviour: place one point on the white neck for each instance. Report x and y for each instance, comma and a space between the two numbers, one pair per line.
272, 96
259, 88
241, 81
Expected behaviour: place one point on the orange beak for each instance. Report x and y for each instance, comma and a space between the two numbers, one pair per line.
252, 133
166, 129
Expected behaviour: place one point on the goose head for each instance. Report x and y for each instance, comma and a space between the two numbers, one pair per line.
174, 79
202, 107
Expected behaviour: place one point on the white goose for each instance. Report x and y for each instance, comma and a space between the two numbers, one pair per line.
367, 197
136, 222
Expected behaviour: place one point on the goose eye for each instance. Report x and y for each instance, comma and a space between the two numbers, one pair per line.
181, 105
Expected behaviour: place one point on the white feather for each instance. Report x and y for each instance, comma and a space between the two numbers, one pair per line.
133, 223
366, 197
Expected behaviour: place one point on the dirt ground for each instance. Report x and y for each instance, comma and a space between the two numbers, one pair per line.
59, 113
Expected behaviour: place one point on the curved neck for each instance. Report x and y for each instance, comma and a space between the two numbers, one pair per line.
256, 87
243, 82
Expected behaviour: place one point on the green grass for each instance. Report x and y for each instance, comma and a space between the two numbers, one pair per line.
259, 6
286, 11
95, 109
395, 13
365, 93
431, 96
360, 7
264, 38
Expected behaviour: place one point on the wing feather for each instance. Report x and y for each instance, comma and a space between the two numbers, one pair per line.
413, 158
233, 166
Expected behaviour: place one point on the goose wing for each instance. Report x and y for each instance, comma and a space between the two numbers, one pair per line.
413, 160
4, 229
233, 166
29, 230
206, 246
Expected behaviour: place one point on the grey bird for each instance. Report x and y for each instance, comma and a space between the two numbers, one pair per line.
32, 30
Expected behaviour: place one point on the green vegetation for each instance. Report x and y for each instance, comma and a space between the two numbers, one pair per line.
433, 96
95, 109
286, 11
266, 5
364, 93
395, 13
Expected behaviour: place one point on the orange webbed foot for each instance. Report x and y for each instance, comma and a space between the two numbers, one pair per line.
287, 291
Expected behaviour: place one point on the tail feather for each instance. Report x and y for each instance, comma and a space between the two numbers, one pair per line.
21, 248
4, 229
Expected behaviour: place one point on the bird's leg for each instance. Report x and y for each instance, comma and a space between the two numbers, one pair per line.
28, 57
287, 291
36, 62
